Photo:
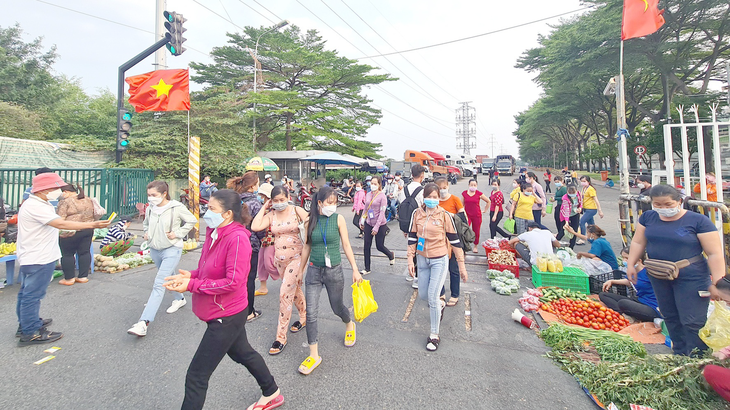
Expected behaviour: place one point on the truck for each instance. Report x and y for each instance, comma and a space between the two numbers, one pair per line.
506, 164
427, 161
442, 161
471, 163
467, 170
405, 170
481, 158
487, 164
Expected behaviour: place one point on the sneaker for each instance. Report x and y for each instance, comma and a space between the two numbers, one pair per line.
414, 285
139, 329
364, 272
392, 262
409, 278
176, 305
46, 323
580, 242
39, 337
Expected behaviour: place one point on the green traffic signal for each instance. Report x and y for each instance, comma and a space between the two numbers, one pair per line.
171, 48
124, 143
127, 116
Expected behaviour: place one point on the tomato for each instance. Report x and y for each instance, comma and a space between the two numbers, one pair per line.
602, 326
601, 314
615, 328
591, 316
599, 320
595, 326
609, 317
580, 321
603, 309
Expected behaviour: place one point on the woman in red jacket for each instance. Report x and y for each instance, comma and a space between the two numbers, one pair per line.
220, 299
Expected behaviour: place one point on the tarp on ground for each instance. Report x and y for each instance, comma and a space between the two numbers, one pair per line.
20, 153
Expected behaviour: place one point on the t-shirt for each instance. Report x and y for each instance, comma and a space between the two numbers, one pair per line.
452, 204
601, 248
411, 189
27, 194
589, 198
540, 241
559, 196
524, 206
676, 240
644, 290
496, 199
37, 241
471, 203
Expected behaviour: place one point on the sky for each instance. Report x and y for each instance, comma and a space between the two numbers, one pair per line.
418, 110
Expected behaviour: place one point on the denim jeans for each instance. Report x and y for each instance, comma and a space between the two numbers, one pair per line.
393, 204
431, 277
34, 280
587, 217
334, 280
166, 261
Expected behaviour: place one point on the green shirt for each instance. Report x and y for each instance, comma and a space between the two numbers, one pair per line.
326, 228
559, 195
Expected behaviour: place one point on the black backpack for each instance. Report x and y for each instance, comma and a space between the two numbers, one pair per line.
406, 208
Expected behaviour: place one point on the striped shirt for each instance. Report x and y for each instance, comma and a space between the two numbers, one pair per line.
116, 233
325, 228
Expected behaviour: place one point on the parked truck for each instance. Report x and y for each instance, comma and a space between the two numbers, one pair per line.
426, 160
467, 168
405, 170
506, 164
442, 161
487, 164
471, 163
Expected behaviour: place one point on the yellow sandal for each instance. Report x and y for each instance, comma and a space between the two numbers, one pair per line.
351, 337
309, 364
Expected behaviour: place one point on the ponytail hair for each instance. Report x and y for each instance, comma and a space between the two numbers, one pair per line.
243, 183
75, 189
161, 187
231, 201
322, 195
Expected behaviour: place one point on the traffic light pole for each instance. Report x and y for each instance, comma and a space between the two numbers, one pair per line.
123, 69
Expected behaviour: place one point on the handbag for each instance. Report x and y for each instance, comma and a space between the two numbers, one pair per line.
302, 229
99, 210
667, 270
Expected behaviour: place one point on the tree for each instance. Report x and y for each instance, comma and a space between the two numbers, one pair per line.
18, 122
309, 96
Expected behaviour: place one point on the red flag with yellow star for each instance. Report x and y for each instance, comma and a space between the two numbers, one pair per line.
161, 90
641, 18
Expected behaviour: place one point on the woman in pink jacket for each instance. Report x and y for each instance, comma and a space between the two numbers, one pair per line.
374, 223
570, 210
220, 299
358, 205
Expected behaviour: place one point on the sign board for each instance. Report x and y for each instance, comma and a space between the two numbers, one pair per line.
640, 150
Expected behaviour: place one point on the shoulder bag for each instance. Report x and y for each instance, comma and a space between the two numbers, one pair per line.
667, 270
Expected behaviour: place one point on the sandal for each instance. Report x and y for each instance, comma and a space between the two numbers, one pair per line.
256, 315
432, 344
297, 326
272, 404
82, 280
452, 302
443, 308
67, 282
351, 336
260, 293
276, 348
309, 364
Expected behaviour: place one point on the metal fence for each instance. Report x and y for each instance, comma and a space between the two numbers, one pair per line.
117, 189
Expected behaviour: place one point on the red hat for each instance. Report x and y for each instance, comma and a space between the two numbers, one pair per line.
47, 181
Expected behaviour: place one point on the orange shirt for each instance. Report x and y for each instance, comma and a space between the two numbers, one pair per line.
451, 205
711, 191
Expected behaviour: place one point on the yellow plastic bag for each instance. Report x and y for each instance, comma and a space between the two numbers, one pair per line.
716, 332
363, 301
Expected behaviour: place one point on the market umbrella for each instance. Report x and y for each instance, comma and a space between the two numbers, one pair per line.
261, 164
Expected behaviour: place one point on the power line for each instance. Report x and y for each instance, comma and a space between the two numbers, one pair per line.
258, 12
417, 125
214, 12
264, 7
437, 120
477, 35
226, 10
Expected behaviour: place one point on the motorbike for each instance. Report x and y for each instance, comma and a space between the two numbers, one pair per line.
185, 200
304, 197
343, 199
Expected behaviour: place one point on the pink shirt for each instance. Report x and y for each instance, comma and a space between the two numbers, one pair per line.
375, 205
358, 202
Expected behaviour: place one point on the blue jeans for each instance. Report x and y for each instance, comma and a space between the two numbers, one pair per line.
587, 217
454, 276
393, 204
34, 280
431, 277
166, 261
334, 280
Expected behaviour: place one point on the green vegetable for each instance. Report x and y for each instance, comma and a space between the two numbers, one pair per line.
610, 345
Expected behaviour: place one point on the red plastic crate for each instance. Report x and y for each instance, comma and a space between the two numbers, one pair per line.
512, 268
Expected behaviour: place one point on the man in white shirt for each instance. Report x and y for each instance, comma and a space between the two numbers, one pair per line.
417, 175
38, 251
539, 241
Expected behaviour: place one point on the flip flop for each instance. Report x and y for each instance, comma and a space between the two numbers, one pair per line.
259, 293
309, 364
452, 302
272, 404
297, 326
351, 336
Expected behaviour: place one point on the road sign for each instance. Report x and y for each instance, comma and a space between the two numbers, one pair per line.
640, 150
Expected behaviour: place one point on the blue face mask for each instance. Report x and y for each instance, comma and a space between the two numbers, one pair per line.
591, 240
572, 195
212, 219
431, 203
261, 200
558, 184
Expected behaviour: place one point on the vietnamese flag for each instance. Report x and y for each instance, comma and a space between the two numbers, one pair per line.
161, 90
641, 18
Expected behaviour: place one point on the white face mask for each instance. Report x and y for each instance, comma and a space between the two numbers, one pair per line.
329, 210
668, 212
154, 200
53, 195
280, 206
640, 186
444, 193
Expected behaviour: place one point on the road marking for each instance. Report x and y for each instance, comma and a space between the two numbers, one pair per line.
467, 311
410, 305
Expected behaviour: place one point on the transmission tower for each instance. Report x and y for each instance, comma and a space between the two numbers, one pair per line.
466, 128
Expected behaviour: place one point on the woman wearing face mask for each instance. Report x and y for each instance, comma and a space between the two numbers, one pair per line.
547, 176
644, 306
246, 187
432, 238
522, 210
166, 222
358, 206
75, 207
591, 206
451, 204
538, 210
711, 185
220, 299
560, 191
373, 222
284, 222
670, 233
325, 231
496, 211
266, 266
600, 247
472, 205
570, 210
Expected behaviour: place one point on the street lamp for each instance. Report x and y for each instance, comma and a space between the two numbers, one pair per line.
255, 71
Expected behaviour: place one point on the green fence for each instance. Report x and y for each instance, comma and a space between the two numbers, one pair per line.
117, 189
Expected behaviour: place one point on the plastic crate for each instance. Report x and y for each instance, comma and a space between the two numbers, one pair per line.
596, 284
570, 278
512, 268
490, 250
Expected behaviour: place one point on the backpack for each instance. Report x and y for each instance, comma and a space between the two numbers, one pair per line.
406, 208
466, 234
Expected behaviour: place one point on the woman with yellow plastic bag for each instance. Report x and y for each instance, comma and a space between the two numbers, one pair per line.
325, 231
431, 238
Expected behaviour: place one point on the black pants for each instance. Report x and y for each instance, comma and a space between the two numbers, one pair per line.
574, 222
631, 307
558, 224
494, 225
379, 243
537, 216
356, 221
251, 282
79, 244
547, 187
226, 335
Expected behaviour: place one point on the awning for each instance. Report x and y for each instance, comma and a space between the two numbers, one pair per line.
330, 158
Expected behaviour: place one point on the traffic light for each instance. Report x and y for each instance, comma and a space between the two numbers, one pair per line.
124, 122
174, 25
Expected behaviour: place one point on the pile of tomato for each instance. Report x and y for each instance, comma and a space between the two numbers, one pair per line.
586, 313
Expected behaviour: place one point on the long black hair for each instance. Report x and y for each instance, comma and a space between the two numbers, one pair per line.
231, 201
322, 195
279, 190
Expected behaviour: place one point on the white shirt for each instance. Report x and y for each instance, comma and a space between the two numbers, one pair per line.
539, 241
37, 241
411, 189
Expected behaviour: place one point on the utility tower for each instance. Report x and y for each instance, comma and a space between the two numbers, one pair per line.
466, 128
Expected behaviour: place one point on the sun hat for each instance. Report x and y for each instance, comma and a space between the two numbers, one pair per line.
45, 181
265, 189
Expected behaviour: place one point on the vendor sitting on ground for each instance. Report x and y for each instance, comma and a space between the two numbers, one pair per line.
718, 377
600, 248
539, 241
644, 307
117, 239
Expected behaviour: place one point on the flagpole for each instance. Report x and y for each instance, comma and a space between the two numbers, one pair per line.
621, 120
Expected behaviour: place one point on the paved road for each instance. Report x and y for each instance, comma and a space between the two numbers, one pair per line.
496, 365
